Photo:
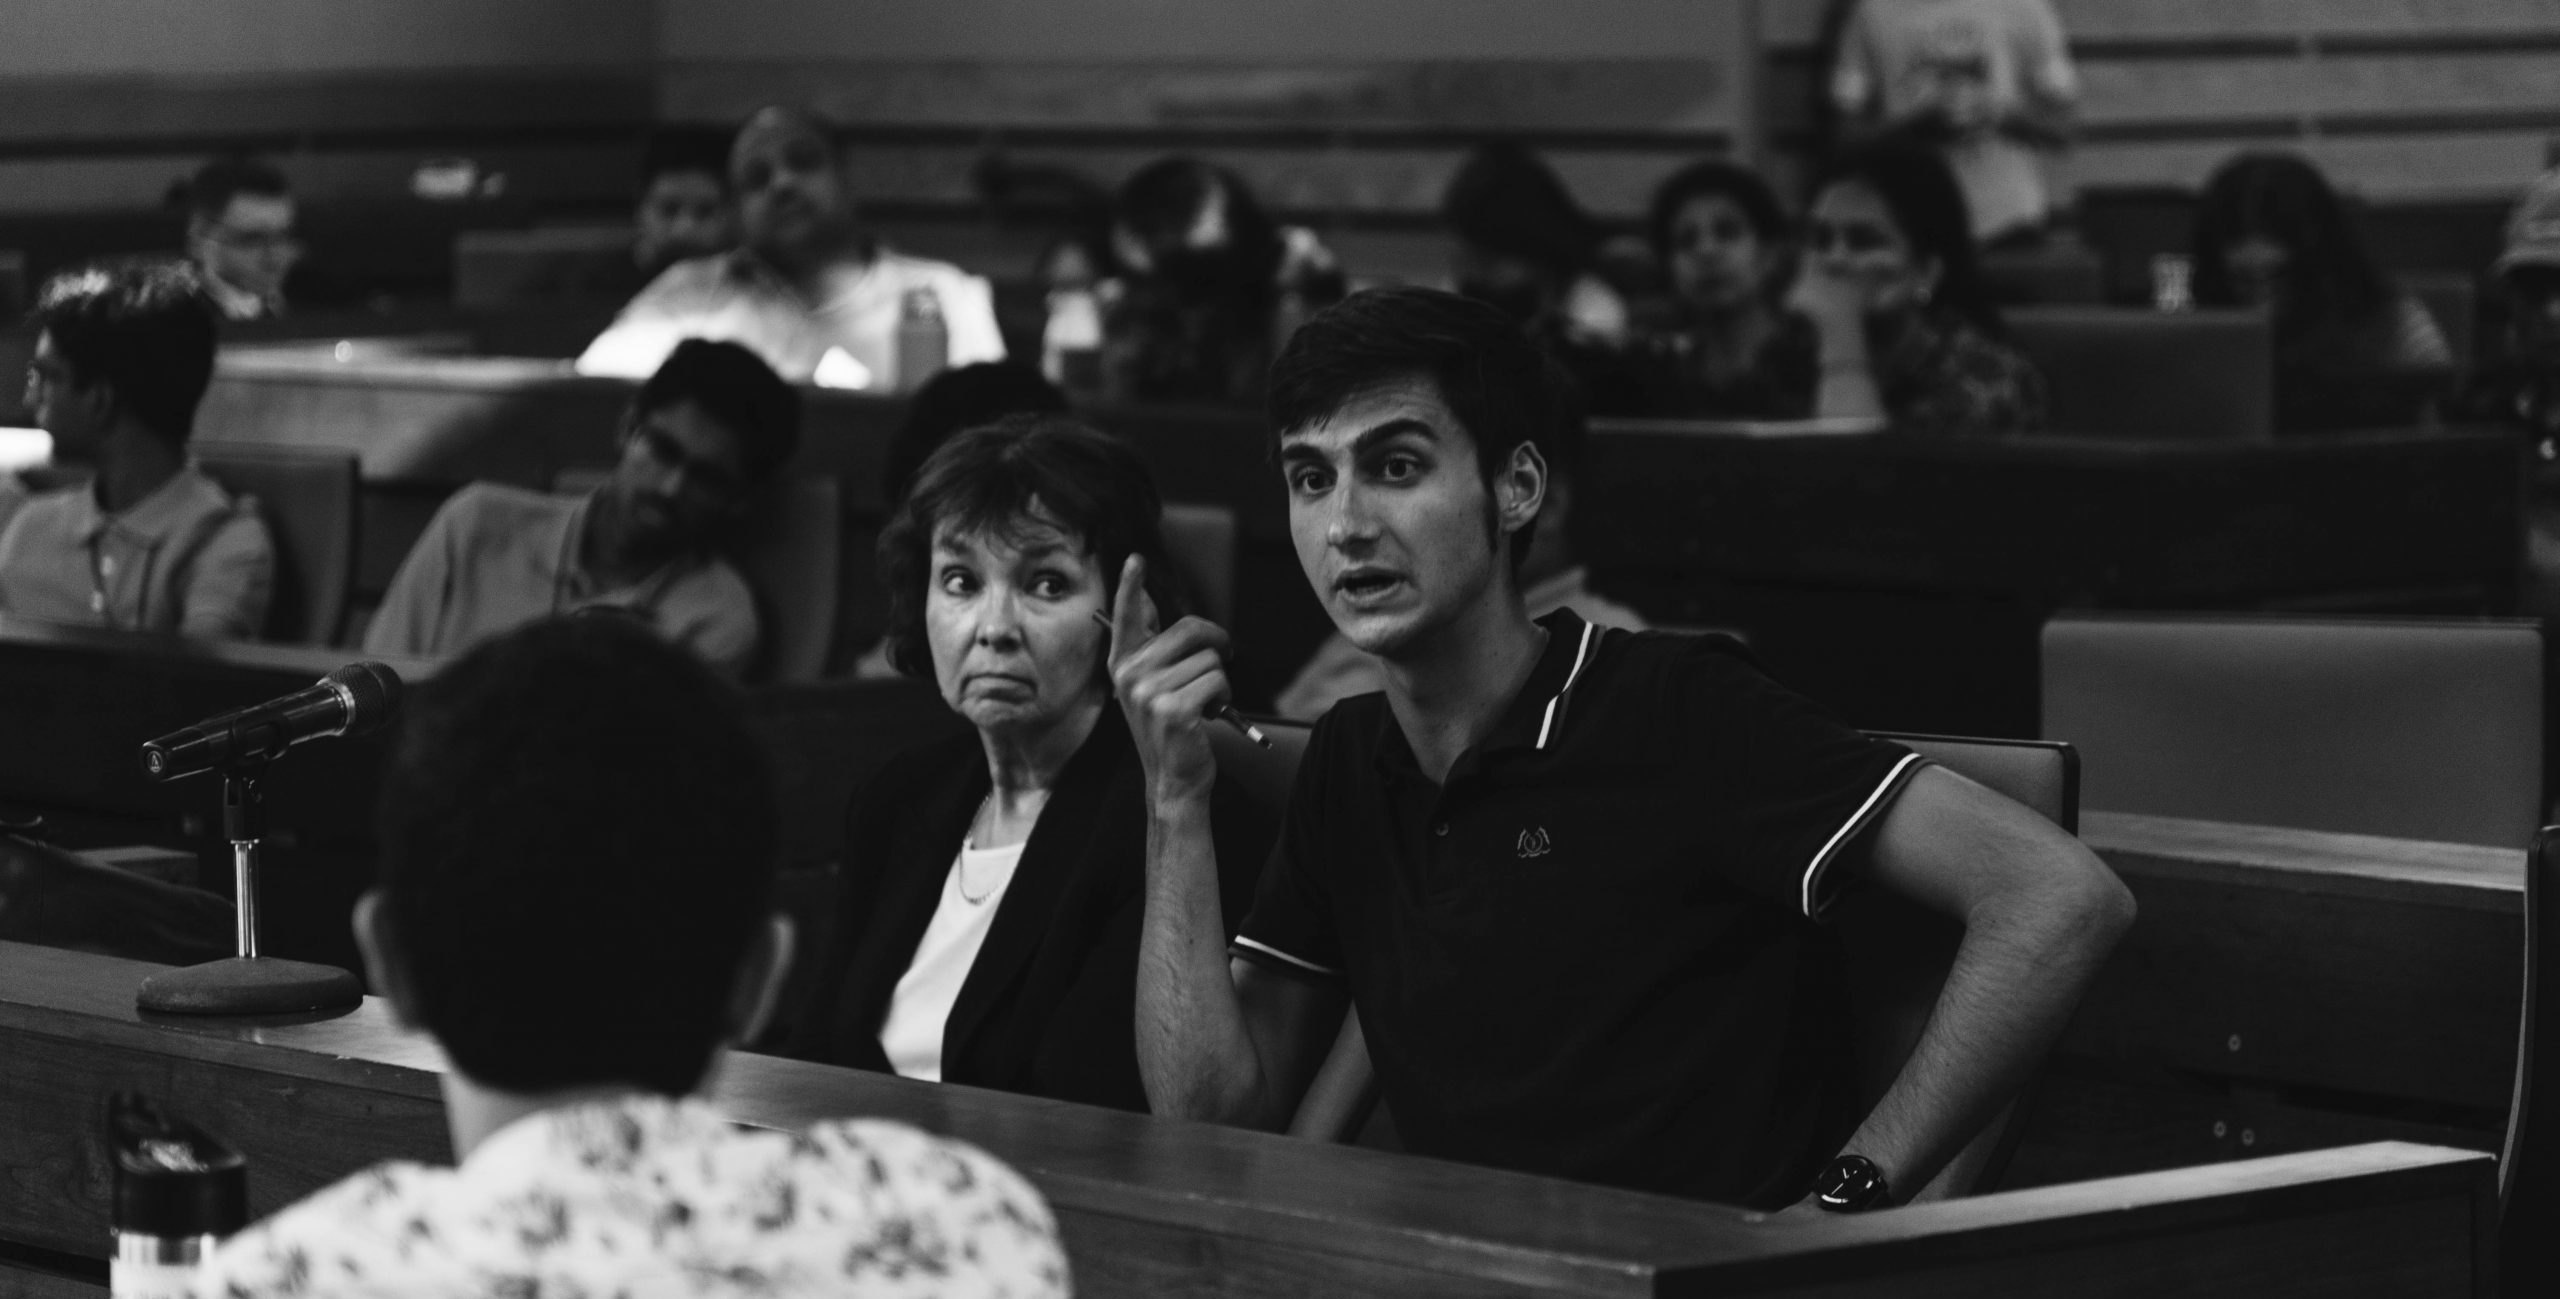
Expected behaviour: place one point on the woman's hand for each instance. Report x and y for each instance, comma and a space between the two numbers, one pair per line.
1168, 682
1836, 301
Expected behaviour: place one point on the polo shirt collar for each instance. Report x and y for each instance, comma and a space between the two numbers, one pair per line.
1536, 715
150, 519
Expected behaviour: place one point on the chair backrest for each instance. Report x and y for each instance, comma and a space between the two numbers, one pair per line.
308, 499
1896, 953
1201, 541
2410, 728
2125, 372
2529, 1165
2055, 273
793, 559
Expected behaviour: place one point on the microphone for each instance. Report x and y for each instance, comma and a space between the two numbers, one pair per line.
354, 700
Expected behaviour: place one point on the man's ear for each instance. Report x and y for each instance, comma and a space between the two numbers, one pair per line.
382, 967
758, 990
1520, 490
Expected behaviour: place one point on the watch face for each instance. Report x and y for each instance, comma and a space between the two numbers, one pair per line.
1851, 1183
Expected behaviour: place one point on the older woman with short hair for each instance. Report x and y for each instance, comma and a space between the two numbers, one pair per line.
988, 933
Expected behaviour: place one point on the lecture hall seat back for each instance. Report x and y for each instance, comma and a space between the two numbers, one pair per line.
2529, 1165
308, 499
2124, 372
2411, 728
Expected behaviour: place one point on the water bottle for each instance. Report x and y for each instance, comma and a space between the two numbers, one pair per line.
924, 342
1071, 343
2173, 282
178, 1192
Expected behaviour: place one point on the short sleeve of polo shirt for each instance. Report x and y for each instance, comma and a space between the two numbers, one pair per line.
1792, 792
1291, 927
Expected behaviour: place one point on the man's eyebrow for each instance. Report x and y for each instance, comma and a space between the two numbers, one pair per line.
1368, 438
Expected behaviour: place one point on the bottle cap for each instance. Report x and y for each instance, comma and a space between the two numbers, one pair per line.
173, 1178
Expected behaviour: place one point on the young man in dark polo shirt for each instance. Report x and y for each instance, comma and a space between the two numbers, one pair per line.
1570, 877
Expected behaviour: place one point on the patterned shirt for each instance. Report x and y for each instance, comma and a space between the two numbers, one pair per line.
648, 1197
1945, 378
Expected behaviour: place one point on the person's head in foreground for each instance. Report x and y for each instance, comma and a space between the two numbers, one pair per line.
683, 210
1415, 428
575, 902
1888, 235
795, 199
240, 229
1195, 228
709, 428
1719, 231
2270, 232
956, 400
577, 864
2529, 271
1001, 565
123, 353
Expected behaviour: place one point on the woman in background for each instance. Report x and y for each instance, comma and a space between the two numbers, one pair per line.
1889, 282
1730, 351
2352, 350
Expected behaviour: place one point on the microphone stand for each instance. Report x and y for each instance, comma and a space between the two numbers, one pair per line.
247, 984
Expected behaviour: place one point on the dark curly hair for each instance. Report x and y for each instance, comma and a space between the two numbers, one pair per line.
1007, 479
578, 847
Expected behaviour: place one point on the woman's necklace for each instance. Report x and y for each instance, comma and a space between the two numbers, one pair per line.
960, 869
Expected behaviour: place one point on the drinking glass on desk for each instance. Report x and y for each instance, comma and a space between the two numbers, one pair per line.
178, 1191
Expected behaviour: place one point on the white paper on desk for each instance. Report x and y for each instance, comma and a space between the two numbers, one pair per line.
24, 448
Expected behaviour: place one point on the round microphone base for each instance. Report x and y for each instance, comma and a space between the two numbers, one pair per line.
249, 985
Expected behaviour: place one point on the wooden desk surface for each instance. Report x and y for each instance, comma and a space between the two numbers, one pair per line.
1153, 1206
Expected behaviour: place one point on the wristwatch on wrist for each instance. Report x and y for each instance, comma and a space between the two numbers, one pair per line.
1852, 1184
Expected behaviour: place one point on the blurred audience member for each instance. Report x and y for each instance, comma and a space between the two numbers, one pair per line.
950, 403
1525, 246
993, 882
575, 903
1547, 577
2352, 350
812, 292
1988, 83
1207, 283
1730, 351
2522, 388
240, 234
712, 425
684, 209
151, 543
1890, 284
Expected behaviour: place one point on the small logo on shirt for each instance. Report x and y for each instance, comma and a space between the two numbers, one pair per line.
1533, 843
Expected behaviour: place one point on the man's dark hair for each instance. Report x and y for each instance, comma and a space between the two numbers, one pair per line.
962, 398
735, 387
1740, 185
143, 328
1007, 480
209, 192
578, 843
1493, 378
674, 150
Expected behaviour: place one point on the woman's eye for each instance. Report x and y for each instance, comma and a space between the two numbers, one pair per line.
1049, 586
957, 581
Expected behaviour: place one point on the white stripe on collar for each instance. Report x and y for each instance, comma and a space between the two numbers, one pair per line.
1581, 655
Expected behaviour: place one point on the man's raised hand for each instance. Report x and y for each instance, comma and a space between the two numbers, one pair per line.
1169, 682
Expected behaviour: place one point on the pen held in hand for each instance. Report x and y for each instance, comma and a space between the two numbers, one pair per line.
1224, 712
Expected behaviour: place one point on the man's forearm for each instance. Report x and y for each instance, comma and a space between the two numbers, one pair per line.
1194, 1053
2015, 981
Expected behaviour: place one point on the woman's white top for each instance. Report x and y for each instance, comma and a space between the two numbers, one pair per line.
912, 1034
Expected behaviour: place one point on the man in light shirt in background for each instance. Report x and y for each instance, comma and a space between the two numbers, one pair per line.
812, 292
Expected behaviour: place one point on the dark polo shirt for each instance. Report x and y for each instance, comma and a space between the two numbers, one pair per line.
1593, 953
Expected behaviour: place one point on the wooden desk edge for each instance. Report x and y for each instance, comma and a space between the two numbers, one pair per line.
2402, 869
